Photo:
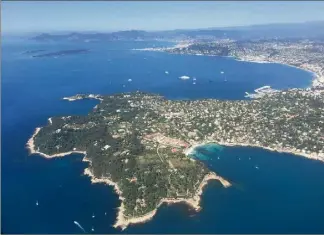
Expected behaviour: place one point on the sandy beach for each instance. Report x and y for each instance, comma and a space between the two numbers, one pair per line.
313, 156
194, 202
123, 221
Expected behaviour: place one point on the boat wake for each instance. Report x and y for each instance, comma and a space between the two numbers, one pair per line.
79, 225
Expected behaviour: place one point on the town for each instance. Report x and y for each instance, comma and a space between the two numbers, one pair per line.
142, 141
304, 54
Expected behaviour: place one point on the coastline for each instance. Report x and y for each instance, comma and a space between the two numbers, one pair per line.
318, 77
122, 221
313, 156
317, 80
31, 147
193, 202
79, 97
180, 44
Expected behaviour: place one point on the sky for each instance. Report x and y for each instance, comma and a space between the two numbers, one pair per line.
49, 16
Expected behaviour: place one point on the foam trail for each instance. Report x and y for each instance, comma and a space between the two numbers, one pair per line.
79, 225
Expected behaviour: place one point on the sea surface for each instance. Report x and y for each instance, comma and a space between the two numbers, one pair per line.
272, 192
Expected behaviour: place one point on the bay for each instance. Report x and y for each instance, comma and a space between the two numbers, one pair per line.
284, 195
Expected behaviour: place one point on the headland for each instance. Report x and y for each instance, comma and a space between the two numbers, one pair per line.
138, 142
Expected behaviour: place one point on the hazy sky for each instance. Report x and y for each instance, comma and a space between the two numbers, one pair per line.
43, 16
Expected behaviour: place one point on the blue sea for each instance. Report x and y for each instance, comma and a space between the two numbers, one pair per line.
271, 193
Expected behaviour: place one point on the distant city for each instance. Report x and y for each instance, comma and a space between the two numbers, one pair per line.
143, 143
307, 30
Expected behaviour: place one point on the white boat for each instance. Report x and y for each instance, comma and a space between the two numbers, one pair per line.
184, 77
37, 203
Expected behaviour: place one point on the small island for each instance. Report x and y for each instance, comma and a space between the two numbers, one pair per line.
140, 143
60, 53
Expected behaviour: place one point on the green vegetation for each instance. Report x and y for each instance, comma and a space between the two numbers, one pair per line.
138, 139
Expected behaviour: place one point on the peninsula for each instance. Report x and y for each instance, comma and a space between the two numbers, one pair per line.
139, 142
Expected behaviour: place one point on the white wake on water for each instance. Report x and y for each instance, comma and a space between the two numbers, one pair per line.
79, 225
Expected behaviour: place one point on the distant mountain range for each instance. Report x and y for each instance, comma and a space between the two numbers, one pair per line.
307, 30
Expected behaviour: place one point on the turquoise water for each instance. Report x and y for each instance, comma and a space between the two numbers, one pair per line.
206, 152
284, 195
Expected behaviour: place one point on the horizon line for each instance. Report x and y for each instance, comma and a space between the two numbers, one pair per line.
162, 30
